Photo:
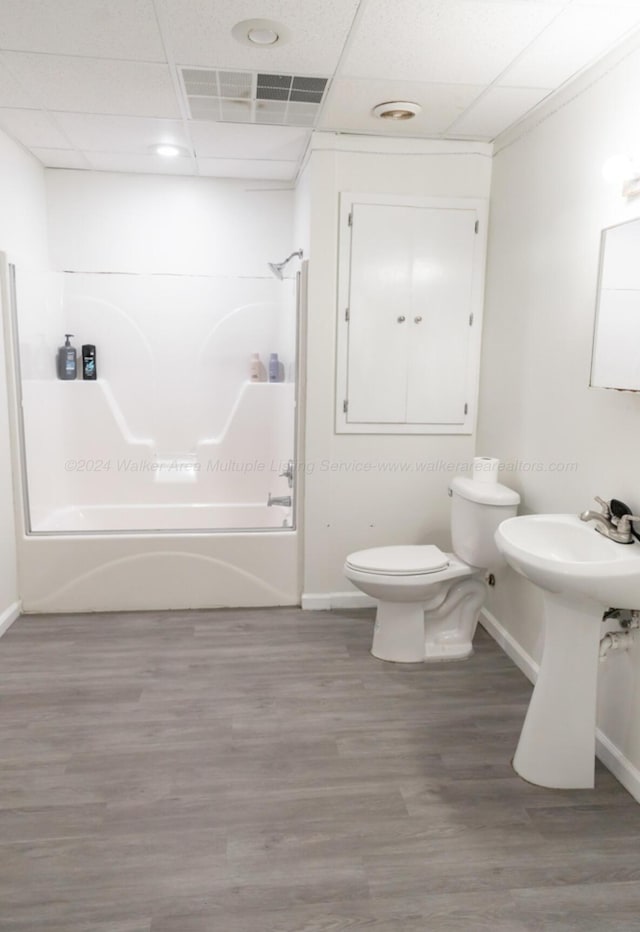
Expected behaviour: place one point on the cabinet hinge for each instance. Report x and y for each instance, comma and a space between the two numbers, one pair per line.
347, 314
471, 320
350, 219
345, 405
477, 226
466, 409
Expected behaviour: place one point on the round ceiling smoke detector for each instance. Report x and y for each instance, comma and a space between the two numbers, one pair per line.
397, 110
260, 33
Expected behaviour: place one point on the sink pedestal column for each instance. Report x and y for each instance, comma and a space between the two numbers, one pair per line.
558, 740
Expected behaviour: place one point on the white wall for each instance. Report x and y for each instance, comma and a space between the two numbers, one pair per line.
549, 204
102, 222
23, 238
346, 508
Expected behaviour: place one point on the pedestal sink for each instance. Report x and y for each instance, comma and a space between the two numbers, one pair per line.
581, 574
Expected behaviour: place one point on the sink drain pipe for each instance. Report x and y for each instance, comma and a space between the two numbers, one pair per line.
620, 640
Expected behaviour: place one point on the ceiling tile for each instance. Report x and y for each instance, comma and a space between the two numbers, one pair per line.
497, 110
200, 33
248, 168
443, 41
94, 85
144, 164
33, 128
350, 102
117, 29
60, 158
230, 141
578, 36
120, 134
13, 94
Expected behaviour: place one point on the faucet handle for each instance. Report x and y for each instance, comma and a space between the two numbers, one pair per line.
626, 521
605, 506
288, 473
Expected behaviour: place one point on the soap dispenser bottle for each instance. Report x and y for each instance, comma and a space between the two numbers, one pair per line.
67, 360
274, 368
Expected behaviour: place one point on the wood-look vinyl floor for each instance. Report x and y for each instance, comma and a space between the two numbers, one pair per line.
259, 771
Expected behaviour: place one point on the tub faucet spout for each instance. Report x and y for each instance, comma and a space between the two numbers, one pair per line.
284, 500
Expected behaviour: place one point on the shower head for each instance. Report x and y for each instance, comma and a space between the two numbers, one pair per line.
277, 267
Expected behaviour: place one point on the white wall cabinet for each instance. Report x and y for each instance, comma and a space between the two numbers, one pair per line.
409, 314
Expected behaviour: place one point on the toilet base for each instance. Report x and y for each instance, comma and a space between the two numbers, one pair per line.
405, 632
441, 653
398, 634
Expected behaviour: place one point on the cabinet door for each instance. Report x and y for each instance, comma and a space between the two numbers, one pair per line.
439, 322
380, 300
411, 274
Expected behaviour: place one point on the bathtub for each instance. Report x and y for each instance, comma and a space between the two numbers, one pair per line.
90, 519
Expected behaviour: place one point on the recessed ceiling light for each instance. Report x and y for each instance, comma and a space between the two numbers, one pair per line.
263, 36
168, 150
397, 110
260, 33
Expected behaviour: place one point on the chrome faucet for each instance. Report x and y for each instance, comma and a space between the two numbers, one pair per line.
607, 524
284, 500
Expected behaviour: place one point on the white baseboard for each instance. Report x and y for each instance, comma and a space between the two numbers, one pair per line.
324, 601
510, 646
8, 617
615, 761
607, 752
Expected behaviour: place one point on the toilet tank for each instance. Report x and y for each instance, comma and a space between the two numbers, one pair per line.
477, 508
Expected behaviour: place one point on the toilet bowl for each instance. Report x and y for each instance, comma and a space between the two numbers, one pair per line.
429, 600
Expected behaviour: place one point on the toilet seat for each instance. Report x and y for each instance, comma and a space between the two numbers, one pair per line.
399, 560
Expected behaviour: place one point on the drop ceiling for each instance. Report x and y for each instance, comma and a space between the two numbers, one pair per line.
94, 84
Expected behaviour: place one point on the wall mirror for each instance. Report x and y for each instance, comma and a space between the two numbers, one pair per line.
615, 361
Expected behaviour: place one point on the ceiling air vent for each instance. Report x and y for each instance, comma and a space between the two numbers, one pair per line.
247, 97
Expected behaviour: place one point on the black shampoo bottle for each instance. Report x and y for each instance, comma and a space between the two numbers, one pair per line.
89, 362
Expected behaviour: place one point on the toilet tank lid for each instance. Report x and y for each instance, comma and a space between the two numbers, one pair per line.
485, 493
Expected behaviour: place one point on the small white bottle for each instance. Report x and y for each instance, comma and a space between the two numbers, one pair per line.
256, 369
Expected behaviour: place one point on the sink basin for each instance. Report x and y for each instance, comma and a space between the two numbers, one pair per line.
580, 573
561, 553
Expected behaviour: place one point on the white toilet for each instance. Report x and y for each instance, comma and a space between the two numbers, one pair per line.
428, 601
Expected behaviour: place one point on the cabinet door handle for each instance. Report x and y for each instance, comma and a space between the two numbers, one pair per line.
401, 319
417, 320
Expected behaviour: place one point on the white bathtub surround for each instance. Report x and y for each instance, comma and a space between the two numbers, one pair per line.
99, 478
172, 439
